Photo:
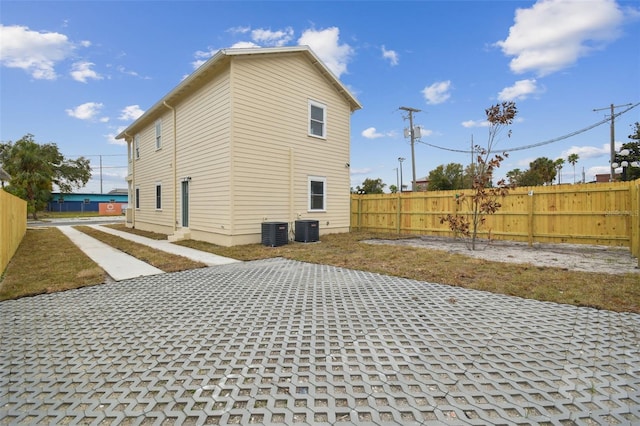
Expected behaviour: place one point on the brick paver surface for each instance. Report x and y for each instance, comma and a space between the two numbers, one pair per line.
285, 342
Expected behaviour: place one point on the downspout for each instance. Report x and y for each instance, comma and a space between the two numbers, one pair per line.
291, 190
133, 177
175, 168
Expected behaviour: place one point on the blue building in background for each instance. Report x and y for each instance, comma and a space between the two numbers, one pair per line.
85, 202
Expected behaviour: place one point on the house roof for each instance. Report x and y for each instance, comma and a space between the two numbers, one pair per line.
215, 62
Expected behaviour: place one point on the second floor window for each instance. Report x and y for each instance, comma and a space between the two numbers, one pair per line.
158, 134
317, 119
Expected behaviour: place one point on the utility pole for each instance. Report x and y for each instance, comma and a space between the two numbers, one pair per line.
413, 157
612, 153
101, 175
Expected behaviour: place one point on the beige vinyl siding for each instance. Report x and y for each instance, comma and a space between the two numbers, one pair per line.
243, 140
270, 121
203, 154
153, 166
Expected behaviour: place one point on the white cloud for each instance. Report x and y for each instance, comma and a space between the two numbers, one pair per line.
202, 56
35, 52
111, 137
475, 123
272, 38
519, 91
325, 43
554, 34
362, 171
424, 133
586, 152
81, 71
372, 133
87, 111
391, 55
244, 45
239, 30
131, 112
438, 92
123, 70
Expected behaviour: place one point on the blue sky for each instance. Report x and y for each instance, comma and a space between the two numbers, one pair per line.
76, 73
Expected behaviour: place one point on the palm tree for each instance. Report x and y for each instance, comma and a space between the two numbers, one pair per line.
558, 165
573, 159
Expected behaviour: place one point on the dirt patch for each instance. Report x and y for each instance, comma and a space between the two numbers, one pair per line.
576, 257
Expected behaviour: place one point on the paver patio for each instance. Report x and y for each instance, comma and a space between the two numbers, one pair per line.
284, 342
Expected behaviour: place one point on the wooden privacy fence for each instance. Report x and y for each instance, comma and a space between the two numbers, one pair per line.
13, 226
603, 214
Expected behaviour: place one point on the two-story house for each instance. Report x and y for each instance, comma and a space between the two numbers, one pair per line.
252, 136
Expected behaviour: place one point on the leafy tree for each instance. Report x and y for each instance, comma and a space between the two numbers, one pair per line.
514, 176
631, 173
34, 169
447, 177
546, 168
573, 159
483, 199
469, 175
393, 189
371, 186
541, 171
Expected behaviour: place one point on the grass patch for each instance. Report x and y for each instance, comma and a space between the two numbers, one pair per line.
122, 227
46, 261
619, 293
162, 260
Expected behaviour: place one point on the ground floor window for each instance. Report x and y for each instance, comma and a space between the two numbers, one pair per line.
317, 191
137, 197
158, 196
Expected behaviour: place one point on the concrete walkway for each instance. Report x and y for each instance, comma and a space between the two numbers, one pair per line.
121, 266
209, 259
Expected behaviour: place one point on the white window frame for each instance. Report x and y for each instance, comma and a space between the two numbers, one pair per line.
136, 146
312, 179
158, 198
158, 134
137, 197
323, 107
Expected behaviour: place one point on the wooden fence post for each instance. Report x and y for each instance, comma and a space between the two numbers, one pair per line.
398, 214
634, 238
359, 212
530, 218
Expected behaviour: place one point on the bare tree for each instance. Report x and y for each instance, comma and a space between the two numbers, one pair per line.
484, 196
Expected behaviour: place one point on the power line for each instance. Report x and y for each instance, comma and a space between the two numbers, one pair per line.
547, 142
